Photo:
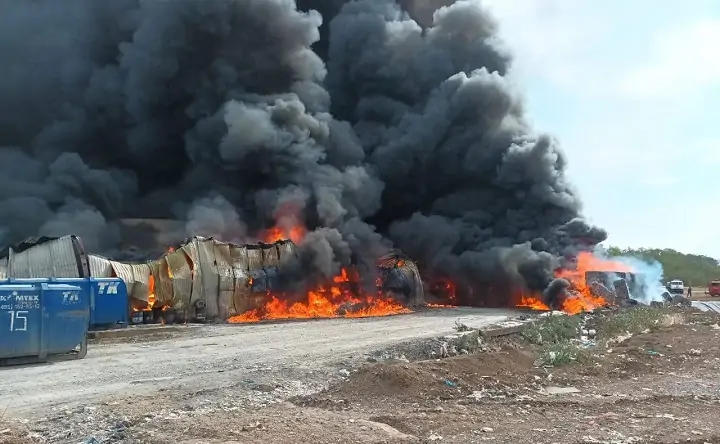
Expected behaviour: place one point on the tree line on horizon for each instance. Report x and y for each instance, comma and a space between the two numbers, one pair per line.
692, 269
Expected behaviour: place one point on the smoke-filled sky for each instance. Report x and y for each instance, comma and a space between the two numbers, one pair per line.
632, 91
377, 124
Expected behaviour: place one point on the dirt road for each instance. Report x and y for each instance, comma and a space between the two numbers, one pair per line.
615, 376
212, 357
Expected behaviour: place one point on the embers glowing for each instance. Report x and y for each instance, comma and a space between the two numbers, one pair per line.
446, 291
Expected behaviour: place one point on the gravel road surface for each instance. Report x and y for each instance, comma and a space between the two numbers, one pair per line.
213, 356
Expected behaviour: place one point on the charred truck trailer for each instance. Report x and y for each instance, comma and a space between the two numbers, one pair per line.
619, 287
203, 278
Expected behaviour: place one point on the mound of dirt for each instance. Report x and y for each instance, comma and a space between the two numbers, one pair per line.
446, 378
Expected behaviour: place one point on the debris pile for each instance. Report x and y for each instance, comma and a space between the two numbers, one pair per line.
582, 286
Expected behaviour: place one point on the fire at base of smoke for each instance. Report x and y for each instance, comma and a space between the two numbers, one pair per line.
203, 278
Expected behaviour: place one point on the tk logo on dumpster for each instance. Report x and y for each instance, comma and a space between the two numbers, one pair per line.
70, 298
108, 287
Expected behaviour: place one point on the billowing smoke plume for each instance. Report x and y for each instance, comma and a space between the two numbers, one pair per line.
378, 124
648, 275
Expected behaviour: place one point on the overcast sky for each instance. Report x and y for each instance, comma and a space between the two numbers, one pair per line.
632, 91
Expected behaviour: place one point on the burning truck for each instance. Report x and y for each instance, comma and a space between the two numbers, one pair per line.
591, 282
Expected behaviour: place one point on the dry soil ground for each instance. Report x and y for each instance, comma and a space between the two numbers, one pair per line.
701, 294
214, 366
546, 385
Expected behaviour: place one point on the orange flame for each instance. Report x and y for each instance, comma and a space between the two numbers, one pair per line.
151, 291
533, 303
336, 298
288, 225
295, 233
579, 297
332, 300
582, 298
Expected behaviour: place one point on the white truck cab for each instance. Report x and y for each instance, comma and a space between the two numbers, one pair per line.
676, 286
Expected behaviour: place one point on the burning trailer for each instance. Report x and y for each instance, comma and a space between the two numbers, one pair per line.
589, 282
616, 287
204, 278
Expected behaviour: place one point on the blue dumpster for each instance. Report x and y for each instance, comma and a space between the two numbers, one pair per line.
39, 319
109, 302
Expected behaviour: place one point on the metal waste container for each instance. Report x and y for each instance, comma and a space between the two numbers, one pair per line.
109, 304
40, 319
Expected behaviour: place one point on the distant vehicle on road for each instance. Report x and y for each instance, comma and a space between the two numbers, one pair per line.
714, 288
676, 286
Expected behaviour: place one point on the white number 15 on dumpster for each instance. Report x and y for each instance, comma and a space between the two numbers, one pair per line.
18, 320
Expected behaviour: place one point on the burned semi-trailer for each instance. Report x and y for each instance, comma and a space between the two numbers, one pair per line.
617, 287
624, 287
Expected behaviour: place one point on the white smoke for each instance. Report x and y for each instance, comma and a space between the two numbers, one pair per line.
648, 277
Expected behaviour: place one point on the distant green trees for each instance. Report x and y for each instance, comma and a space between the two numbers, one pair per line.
692, 269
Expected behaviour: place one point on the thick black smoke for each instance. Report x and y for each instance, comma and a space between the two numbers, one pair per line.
376, 123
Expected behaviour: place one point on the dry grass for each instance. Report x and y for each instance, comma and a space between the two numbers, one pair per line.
555, 335
558, 335
561, 353
553, 329
636, 320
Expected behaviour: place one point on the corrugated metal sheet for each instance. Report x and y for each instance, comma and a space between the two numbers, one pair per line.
54, 258
203, 269
707, 306
181, 278
255, 258
239, 257
226, 280
197, 294
241, 290
210, 279
286, 250
163, 283
224, 267
271, 257
124, 272
99, 266
141, 284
